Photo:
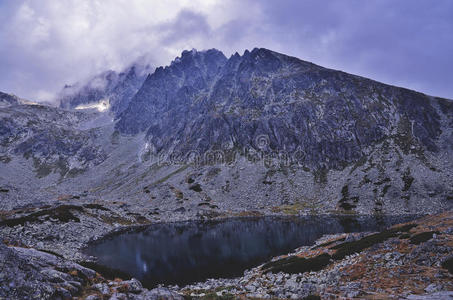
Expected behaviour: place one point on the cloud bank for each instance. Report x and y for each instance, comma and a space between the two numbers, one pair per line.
47, 44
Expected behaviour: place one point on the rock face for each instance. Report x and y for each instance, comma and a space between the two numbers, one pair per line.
27, 273
203, 102
31, 274
115, 89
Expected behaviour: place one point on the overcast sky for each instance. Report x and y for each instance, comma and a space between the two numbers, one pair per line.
48, 43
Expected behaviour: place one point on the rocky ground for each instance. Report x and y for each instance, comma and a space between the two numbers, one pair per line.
412, 261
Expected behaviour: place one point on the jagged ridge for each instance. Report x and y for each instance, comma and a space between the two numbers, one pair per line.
203, 102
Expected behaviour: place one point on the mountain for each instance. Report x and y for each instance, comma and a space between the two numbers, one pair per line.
203, 102
111, 89
210, 137
258, 133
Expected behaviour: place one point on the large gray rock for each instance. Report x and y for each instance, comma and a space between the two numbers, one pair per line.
31, 274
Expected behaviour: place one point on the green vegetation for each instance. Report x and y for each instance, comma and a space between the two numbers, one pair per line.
293, 209
422, 237
294, 264
348, 248
63, 213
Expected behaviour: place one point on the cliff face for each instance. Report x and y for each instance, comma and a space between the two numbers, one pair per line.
203, 101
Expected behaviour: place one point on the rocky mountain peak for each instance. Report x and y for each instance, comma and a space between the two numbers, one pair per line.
115, 88
203, 100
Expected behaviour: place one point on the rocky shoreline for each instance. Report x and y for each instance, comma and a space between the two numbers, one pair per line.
409, 261
398, 264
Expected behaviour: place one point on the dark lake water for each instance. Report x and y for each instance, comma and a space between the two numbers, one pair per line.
187, 252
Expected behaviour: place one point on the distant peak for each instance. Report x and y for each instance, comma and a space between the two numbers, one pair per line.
185, 53
195, 51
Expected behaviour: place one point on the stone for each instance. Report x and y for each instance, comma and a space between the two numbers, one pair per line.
161, 293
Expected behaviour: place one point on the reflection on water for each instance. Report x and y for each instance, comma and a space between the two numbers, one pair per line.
187, 252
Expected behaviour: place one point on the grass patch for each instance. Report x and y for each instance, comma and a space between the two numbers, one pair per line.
405, 236
249, 213
348, 248
116, 220
294, 264
63, 213
291, 209
422, 237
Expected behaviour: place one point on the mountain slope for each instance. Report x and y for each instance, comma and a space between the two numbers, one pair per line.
330, 116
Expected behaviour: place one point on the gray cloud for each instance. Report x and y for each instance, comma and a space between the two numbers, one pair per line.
47, 44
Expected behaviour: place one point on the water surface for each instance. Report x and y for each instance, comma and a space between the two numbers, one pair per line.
187, 252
